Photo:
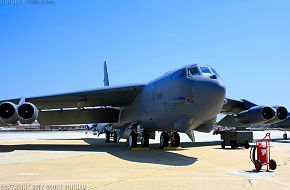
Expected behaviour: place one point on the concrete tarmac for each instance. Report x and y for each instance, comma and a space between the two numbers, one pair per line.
78, 161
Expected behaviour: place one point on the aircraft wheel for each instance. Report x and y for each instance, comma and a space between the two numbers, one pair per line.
233, 145
258, 165
247, 145
108, 136
145, 140
115, 136
272, 164
164, 139
133, 140
223, 144
176, 141
285, 136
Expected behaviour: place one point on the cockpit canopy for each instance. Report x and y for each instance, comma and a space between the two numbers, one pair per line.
205, 70
195, 70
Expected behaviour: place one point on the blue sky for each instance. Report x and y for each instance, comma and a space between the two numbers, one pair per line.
47, 49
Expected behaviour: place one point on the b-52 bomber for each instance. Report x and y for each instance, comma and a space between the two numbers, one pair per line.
183, 100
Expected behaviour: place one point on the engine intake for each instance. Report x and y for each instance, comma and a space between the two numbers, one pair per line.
281, 115
27, 113
255, 115
8, 113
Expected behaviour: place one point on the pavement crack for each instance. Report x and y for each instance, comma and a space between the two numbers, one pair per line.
250, 182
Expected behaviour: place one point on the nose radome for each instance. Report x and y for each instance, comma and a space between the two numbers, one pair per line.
209, 88
217, 87
209, 94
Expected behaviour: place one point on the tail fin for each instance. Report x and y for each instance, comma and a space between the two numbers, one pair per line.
106, 76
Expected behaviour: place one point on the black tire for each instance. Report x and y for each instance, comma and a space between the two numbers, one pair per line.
258, 165
247, 145
176, 141
145, 140
233, 145
108, 136
223, 144
115, 136
132, 140
272, 164
285, 136
164, 140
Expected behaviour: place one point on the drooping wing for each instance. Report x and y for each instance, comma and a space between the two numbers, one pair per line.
107, 96
233, 107
86, 100
236, 106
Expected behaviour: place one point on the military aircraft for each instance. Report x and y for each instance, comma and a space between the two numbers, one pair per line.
185, 100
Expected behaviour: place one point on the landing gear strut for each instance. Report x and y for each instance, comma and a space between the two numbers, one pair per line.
167, 139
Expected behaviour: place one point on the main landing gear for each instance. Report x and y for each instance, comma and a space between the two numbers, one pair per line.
167, 139
133, 139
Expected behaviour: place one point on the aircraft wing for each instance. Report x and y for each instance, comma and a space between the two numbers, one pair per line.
236, 106
233, 107
61, 109
107, 96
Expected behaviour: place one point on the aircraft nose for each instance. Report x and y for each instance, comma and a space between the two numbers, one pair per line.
209, 87
209, 93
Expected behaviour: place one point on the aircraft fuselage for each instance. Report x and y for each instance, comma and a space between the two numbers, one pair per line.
174, 103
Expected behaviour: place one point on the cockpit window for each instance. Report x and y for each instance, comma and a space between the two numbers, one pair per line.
193, 71
205, 70
214, 72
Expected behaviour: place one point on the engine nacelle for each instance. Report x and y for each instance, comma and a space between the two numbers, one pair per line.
27, 113
8, 113
281, 115
255, 115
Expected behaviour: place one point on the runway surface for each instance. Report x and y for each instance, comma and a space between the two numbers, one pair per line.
75, 160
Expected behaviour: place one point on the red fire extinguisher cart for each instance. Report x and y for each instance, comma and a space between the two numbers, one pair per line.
260, 154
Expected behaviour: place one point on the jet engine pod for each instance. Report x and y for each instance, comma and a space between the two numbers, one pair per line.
27, 113
281, 112
8, 113
256, 114
281, 115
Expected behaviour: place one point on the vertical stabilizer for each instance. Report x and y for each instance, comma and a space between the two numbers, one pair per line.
106, 76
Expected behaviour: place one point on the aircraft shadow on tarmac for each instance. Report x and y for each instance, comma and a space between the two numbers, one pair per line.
119, 150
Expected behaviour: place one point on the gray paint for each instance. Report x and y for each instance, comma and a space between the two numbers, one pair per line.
168, 103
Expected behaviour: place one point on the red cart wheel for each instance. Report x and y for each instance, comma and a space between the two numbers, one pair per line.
258, 165
272, 164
